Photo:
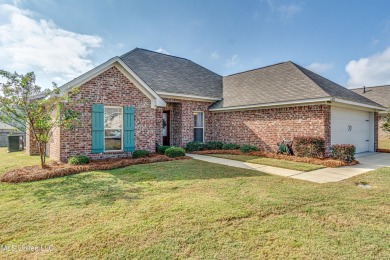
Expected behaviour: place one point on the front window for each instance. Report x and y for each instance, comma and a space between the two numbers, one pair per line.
113, 124
198, 126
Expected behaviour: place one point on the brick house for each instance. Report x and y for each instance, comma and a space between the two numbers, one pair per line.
380, 95
144, 98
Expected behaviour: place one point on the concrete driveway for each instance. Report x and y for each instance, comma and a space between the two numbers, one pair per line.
368, 162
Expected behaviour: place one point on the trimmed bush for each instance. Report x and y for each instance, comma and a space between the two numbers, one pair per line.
196, 146
230, 147
174, 152
78, 160
161, 149
344, 152
214, 145
307, 146
246, 148
140, 153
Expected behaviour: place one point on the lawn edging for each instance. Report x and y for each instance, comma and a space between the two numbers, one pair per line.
328, 162
36, 173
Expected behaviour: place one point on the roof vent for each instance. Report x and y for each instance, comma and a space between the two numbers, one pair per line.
364, 89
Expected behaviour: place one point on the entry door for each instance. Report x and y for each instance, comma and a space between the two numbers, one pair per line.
166, 128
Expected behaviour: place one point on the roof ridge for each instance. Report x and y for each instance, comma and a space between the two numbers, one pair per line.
241, 72
160, 53
173, 56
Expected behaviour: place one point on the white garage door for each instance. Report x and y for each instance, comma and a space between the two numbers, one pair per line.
351, 127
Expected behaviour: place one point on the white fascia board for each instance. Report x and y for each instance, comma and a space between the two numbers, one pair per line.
156, 100
186, 97
274, 104
339, 100
88, 75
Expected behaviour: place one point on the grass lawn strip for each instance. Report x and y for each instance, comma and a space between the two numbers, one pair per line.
384, 144
271, 162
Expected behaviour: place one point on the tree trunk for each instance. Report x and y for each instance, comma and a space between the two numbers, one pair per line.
42, 154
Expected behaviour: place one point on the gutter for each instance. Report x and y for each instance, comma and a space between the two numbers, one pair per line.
186, 97
273, 104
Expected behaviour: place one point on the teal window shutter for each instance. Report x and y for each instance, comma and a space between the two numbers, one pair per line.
128, 129
97, 128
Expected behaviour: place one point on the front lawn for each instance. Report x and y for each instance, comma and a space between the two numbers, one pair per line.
384, 144
9, 161
195, 209
306, 167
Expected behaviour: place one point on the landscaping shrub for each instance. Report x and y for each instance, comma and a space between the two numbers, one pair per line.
344, 152
161, 148
214, 145
140, 153
230, 147
174, 152
306, 146
246, 148
196, 146
78, 160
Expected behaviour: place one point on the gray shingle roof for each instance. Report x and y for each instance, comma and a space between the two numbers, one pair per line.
282, 82
166, 73
378, 94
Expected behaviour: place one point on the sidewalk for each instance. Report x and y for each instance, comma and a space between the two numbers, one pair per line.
368, 162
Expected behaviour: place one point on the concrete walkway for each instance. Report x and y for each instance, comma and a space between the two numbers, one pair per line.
368, 162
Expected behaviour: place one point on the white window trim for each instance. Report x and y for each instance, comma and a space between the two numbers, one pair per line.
104, 131
202, 123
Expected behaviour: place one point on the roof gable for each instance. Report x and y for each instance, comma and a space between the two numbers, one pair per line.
156, 100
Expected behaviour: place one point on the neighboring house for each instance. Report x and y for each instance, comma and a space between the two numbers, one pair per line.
5, 130
144, 98
380, 95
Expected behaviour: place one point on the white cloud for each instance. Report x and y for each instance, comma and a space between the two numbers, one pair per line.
369, 71
286, 11
233, 61
319, 67
214, 55
162, 50
31, 44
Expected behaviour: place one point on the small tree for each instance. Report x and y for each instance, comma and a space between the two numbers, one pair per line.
26, 107
386, 124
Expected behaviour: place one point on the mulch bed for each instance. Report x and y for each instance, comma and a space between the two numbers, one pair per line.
36, 173
328, 162
383, 150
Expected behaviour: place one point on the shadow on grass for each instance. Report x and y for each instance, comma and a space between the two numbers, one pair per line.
85, 189
181, 170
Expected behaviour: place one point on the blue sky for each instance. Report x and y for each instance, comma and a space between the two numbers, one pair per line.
345, 41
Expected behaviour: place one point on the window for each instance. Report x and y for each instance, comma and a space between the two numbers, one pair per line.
198, 126
113, 128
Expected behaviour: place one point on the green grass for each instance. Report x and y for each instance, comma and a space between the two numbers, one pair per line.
9, 161
384, 144
306, 167
194, 209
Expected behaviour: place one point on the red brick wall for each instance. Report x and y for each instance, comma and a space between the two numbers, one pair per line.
182, 120
31, 144
265, 128
110, 88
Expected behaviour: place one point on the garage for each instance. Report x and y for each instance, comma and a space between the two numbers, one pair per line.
352, 127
